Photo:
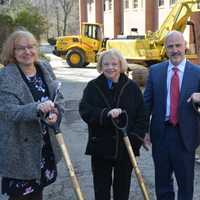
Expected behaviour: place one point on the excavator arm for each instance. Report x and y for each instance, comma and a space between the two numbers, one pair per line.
176, 19
151, 49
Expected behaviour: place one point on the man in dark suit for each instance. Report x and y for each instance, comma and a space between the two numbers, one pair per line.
171, 87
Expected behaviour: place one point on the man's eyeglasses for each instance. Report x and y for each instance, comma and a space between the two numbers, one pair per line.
24, 48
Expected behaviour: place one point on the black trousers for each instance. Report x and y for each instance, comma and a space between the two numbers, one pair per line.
107, 173
34, 196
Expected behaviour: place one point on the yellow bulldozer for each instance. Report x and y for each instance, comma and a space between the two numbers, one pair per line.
80, 50
83, 49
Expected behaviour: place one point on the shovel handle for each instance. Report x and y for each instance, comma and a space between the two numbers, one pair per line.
74, 180
123, 128
136, 168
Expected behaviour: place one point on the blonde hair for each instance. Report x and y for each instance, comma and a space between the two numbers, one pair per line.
7, 55
112, 53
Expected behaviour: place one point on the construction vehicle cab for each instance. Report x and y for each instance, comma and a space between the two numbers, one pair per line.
80, 50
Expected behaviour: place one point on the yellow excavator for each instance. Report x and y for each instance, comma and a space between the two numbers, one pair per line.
82, 49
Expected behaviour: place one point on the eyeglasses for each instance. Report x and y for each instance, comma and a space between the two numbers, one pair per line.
24, 48
113, 64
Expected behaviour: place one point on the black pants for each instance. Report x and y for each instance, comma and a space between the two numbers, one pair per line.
107, 173
34, 196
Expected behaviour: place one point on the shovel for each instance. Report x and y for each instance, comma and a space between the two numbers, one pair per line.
68, 163
64, 149
122, 127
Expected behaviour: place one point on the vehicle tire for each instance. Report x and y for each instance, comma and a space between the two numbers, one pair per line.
75, 58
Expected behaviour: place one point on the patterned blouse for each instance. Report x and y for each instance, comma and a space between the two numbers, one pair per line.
16, 187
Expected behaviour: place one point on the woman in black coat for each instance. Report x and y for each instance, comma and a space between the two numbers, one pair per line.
104, 98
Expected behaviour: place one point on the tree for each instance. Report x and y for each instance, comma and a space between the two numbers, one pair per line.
2, 2
32, 21
66, 6
60, 19
7, 26
15, 6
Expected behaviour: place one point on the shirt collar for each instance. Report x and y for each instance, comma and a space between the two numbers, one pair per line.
181, 66
110, 83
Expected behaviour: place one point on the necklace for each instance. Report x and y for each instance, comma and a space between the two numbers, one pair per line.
37, 82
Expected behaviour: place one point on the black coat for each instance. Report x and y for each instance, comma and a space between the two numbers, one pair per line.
104, 140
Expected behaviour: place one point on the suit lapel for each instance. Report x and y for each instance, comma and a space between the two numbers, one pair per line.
164, 85
185, 81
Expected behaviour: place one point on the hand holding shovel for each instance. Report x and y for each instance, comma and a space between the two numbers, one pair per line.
61, 142
121, 124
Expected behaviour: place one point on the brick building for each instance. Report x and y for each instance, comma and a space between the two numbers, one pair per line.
119, 16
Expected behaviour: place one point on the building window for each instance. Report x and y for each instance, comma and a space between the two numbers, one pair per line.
109, 4
105, 5
126, 3
90, 6
160, 2
135, 3
142, 3
172, 2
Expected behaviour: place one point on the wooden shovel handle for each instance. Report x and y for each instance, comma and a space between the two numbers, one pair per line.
69, 165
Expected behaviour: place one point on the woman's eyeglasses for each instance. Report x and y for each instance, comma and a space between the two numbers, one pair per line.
112, 64
24, 48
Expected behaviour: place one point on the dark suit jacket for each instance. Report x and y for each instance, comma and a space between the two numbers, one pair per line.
155, 96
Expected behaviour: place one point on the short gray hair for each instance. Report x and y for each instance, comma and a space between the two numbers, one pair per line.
112, 53
172, 33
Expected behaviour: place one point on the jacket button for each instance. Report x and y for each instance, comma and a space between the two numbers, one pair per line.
25, 139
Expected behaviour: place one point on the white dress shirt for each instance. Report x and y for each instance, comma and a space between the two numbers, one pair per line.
181, 69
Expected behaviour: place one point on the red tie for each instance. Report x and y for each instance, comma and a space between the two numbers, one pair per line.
174, 97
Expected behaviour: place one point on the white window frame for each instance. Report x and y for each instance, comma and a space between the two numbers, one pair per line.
135, 4
161, 3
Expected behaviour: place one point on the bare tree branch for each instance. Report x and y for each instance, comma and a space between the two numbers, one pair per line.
66, 5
